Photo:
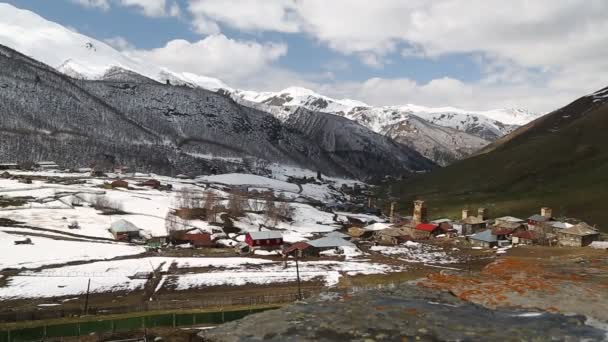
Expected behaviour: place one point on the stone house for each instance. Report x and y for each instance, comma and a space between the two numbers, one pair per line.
580, 235
484, 239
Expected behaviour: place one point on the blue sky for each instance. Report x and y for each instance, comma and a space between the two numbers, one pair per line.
476, 54
304, 53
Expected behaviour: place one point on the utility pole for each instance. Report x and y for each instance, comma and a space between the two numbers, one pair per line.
298, 276
86, 300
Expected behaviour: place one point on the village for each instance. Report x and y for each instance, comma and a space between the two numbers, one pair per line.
233, 238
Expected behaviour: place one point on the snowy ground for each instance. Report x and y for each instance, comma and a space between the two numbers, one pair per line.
328, 272
45, 251
147, 208
114, 276
417, 252
50, 209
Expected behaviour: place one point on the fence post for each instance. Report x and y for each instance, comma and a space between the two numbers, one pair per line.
174, 320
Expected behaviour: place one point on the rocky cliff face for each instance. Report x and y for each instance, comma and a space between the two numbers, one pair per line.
164, 128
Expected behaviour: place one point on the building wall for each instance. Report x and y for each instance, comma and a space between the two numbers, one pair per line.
570, 240
484, 244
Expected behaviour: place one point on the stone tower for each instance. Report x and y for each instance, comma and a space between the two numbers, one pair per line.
391, 218
419, 213
546, 212
465, 213
482, 213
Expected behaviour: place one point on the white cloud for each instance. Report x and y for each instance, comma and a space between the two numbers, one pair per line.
102, 4
254, 15
119, 43
537, 54
216, 56
150, 8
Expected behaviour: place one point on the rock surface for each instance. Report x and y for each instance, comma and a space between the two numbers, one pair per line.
404, 313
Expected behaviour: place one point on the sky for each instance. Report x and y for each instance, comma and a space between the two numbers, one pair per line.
475, 54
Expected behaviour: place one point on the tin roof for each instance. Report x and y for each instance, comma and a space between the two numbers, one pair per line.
485, 236
337, 235
123, 226
581, 229
538, 218
296, 246
527, 235
328, 242
561, 225
269, 234
510, 219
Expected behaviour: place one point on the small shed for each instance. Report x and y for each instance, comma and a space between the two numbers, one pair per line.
484, 239
300, 249
119, 184
391, 236
199, 239
327, 243
580, 235
151, 183
264, 239
123, 230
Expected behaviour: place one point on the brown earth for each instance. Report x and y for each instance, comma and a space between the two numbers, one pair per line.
566, 280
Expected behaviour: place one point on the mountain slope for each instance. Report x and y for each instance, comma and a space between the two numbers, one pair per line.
168, 129
560, 160
421, 128
82, 57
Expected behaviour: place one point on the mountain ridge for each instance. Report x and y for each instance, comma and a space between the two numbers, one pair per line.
559, 160
85, 58
157, 127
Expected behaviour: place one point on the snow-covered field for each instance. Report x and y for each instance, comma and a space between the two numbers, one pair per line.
328, 272
417, 252
114, 276
46, 251
50, 208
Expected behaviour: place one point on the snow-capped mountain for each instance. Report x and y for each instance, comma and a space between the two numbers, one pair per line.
77, 55
485, 124
301, 97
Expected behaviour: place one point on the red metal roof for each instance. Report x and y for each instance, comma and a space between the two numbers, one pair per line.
527, 234
502, 231
427, 227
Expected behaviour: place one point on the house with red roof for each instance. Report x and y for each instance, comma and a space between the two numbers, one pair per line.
427, 230
525, 237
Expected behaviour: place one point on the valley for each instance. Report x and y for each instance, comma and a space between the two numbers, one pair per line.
395, 189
